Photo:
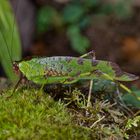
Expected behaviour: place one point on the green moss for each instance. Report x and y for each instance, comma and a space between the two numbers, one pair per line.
31, 115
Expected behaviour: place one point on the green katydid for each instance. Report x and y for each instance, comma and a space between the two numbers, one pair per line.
67, 70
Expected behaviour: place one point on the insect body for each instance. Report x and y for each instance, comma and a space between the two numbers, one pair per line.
67, 70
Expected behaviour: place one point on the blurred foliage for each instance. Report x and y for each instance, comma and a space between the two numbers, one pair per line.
104, 86
52, 18
75, 16
104, 89
132, 100
10, 48
108, 90
77, 39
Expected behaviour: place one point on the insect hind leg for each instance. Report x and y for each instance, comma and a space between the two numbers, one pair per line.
89, 54
93, 57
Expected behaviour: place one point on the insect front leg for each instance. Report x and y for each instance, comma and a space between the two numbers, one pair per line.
16, 86
18, 82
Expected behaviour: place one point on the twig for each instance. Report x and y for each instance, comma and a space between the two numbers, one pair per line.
89, 94
97, 122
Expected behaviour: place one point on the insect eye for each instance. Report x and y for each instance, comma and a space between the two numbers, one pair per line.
15, 67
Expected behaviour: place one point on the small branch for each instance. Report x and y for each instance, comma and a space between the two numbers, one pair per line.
89, 94
97, 122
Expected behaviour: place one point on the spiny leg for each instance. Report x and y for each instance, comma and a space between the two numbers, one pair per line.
17, 84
